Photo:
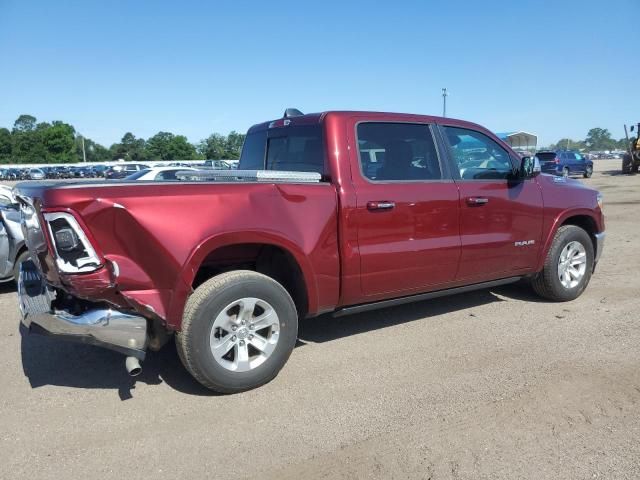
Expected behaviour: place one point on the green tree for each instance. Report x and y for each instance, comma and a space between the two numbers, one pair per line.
219, 147
213, 147
130, 148
59, 143
599, 139
5, 145
24, 123
94, 151
167, 146
234, 145
621, 144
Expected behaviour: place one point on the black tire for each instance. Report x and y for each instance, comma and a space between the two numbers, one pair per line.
23, 257
206, 303
565, 172
627, 163
547, 282
588, 172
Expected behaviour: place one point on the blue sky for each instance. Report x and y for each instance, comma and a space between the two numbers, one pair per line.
193, 68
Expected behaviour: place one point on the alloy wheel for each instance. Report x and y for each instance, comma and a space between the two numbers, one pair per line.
244, 334
572, 264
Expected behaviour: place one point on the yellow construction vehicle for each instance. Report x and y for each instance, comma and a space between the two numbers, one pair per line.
631, 159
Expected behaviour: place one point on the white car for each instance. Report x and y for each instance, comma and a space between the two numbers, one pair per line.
158, 173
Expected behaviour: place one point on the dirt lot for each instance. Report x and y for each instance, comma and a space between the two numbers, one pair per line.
494, 384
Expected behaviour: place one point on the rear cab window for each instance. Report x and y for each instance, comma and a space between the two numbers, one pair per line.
289, 148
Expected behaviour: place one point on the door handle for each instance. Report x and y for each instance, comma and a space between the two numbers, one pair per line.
477, 201
380, 205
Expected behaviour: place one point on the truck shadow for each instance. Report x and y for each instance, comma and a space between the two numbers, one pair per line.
7, 287
47, 361
327, 328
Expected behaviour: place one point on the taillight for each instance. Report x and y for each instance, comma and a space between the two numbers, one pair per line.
557, 161
73, 251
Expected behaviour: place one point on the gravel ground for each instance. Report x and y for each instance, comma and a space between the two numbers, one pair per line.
492, 384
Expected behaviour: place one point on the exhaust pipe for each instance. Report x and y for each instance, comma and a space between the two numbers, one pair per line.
132, 364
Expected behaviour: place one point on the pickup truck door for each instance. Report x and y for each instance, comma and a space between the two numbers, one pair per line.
500, 215
407, 212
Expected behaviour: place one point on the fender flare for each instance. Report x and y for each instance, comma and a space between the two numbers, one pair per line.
183, 289
558, 221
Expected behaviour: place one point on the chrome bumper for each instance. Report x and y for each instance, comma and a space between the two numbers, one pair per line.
105, 328
599, 245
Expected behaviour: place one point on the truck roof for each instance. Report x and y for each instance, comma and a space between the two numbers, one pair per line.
314, 118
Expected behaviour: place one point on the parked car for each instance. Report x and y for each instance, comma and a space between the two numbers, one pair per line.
123, 170
158, 173
47, 170
565, 163
3, 173
98, 170
13, 174
13, 251
229, 267
61, 172
35, 174
216, 164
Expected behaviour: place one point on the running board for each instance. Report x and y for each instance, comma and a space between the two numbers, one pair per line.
422, 296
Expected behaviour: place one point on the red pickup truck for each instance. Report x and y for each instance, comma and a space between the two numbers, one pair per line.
336, 212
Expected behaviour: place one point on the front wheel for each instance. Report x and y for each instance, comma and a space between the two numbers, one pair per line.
238, 331
568, 266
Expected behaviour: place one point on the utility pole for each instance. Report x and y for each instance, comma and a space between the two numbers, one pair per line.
84, 154
444, 102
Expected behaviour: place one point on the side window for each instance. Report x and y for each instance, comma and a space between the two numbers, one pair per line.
397, 151
477, 156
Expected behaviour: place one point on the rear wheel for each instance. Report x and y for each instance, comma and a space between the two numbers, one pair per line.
238, 331
568, 266
588, 172
565, 172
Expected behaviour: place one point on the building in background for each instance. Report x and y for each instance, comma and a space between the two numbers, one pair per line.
521, 142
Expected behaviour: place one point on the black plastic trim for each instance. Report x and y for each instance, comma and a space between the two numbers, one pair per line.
422, 296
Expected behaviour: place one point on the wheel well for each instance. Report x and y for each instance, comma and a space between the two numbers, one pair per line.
586, 223
272, 261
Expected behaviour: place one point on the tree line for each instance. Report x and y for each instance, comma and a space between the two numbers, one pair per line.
30, 141
597, 140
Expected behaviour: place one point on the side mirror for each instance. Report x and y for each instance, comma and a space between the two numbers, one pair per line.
529, 167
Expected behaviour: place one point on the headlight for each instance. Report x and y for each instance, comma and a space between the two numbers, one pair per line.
599, 199
74, 253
